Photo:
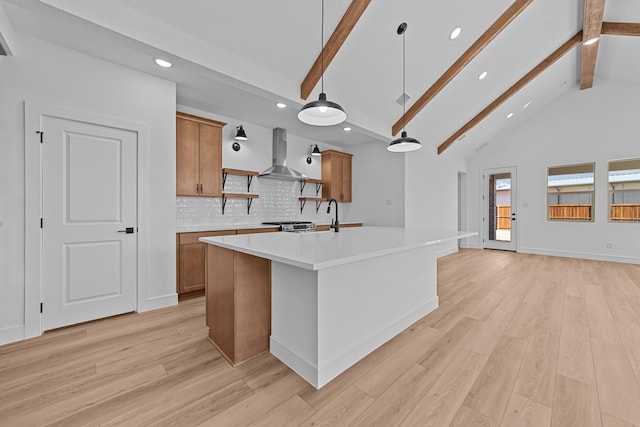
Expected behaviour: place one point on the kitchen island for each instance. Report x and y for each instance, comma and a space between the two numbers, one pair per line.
331, 298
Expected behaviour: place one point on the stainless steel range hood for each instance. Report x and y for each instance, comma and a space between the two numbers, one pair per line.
279, 170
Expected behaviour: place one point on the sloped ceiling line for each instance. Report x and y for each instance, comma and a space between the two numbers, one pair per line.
333, 45
483, 41
537, 70
591, 28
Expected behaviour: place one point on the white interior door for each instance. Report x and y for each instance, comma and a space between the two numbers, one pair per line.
89, 199
499, 213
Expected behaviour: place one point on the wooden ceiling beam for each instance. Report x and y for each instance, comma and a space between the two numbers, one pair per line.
591, 28
620, 29
537, 70
333, 45
496, 28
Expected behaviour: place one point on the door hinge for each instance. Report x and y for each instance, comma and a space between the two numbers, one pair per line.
41, 223
41, 135
41, 306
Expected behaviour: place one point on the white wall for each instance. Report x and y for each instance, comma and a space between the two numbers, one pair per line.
595, 125
46, 73
431, 192
378, 185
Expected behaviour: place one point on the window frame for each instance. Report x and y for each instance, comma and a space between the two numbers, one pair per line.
592, 217
610, 190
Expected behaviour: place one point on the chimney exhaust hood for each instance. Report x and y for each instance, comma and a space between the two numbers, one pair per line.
279, 170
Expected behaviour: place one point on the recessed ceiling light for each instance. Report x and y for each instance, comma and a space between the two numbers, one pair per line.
281, 105
509, 115
163, 63
347, 129
482, 75
455, 33
527, 104
591, 41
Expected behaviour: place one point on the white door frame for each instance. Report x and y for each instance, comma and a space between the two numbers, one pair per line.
33, 112
513, 244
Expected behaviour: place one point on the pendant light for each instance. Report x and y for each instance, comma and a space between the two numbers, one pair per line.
404, 143
322, 112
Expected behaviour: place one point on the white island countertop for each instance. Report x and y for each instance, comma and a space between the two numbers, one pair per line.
317, 250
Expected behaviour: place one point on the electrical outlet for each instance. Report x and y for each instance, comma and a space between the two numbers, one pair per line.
609, 245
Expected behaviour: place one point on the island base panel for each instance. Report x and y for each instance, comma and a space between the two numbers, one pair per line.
325, 321
238, 298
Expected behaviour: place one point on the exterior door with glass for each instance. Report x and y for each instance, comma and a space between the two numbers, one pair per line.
499, 211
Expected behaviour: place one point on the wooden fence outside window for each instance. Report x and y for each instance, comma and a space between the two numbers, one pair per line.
625, 212
504, 217
569, 212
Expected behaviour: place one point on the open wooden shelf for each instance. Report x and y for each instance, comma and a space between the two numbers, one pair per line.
248, 196
312, 181
240, 195
240, 172
304, 200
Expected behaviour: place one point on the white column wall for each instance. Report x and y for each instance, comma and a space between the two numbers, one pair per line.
431, 192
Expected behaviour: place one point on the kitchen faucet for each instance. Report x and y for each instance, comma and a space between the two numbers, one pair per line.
335, 225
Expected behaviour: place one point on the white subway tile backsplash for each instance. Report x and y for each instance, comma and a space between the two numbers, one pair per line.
278, 201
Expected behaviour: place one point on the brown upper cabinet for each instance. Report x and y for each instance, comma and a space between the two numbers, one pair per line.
198, 156
336, 174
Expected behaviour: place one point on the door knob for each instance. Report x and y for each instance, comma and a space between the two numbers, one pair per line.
128, 230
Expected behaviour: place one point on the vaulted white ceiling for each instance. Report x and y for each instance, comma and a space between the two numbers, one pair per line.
237, 58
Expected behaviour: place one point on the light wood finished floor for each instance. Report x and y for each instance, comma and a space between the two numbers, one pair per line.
518, 340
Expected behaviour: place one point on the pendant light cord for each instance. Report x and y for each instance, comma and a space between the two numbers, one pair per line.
404, 89
322, 50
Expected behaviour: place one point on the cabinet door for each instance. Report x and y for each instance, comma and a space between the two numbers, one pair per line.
192, 267
210, 161
187, 161
345, 184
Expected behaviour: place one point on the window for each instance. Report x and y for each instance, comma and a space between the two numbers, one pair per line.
624, 190
570, 192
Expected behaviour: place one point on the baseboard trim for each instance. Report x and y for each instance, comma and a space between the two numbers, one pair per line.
11, 334
580, 255
158, 302
447, 251
318, 376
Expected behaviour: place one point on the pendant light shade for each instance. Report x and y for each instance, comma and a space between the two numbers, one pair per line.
404, 143
316, 151
241, 135
322, 112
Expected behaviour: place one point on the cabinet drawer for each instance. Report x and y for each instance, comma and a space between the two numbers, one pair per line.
190, 238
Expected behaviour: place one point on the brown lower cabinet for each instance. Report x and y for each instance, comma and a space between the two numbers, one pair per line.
325, 227
238, 303
191, 258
